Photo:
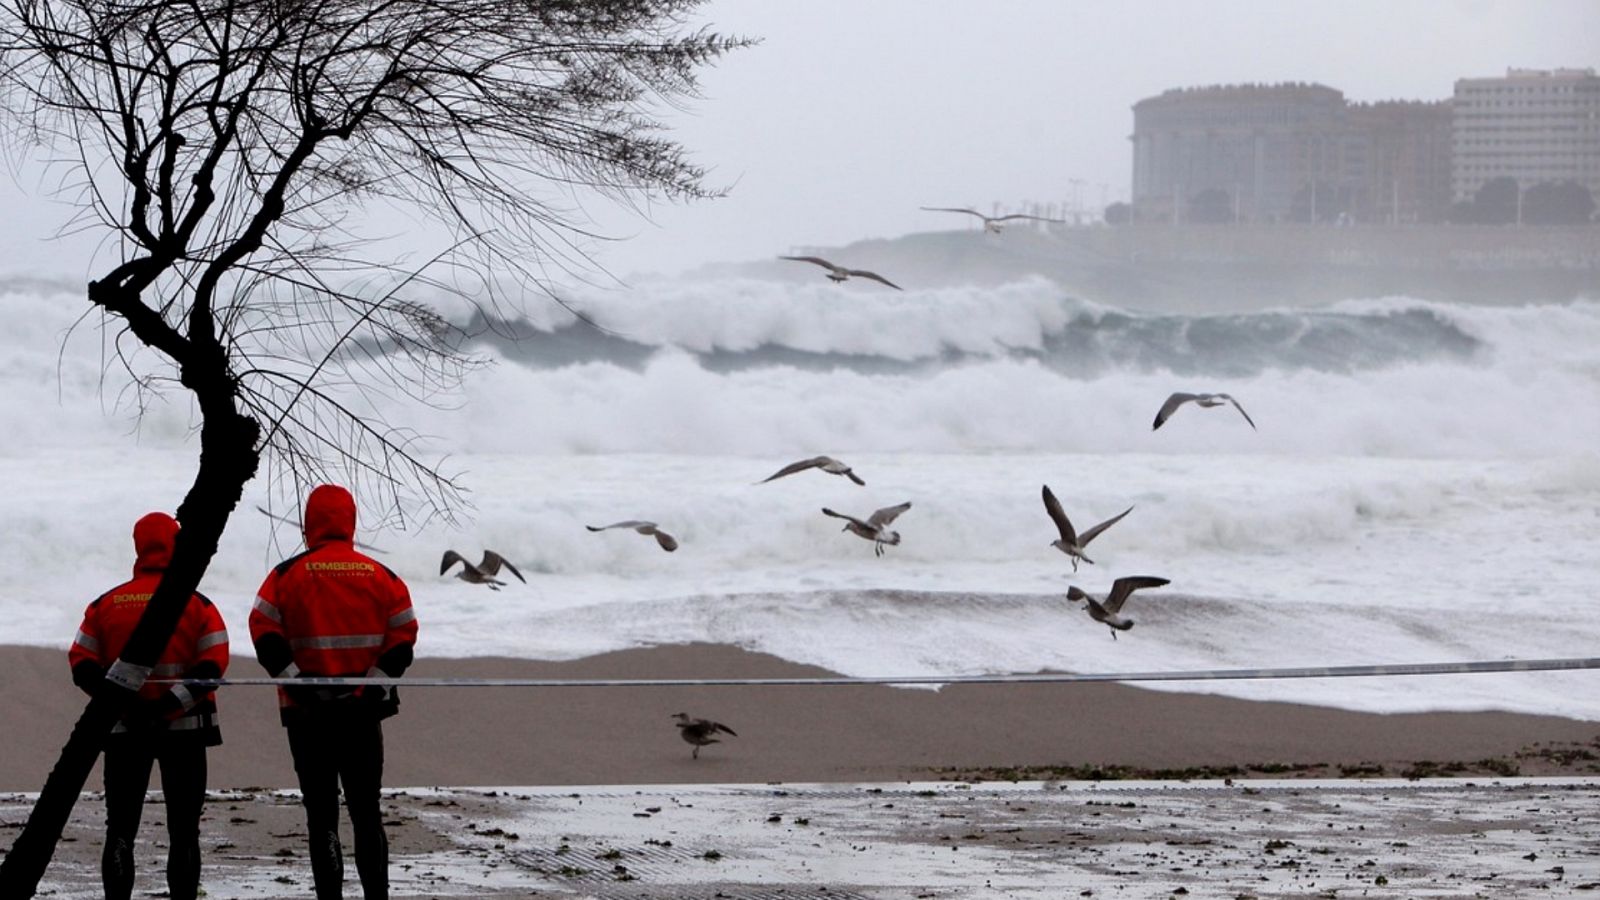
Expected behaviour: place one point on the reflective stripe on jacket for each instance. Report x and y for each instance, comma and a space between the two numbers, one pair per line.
200, 635
338, 609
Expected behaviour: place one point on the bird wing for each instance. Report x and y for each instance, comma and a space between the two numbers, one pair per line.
718, 726
1024, 216
451, 558
667, 541
874, 276
1076, 595
839, 515
1087, 536
1239, 408
850, 474
956, 209
1171, 406
794, 467
493, 562
813, 259
1122, 587
1096, 611
886, 515
631, 523
1059, 516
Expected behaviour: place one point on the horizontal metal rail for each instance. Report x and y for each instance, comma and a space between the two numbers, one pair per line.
1360, 671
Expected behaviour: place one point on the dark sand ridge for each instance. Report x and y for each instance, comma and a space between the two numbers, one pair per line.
526, 736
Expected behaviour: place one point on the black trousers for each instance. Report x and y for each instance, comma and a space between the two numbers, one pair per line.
342, 744
128, 761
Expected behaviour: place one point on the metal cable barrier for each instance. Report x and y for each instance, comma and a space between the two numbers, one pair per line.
1360, 671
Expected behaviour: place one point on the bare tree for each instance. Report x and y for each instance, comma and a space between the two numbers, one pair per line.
242, 156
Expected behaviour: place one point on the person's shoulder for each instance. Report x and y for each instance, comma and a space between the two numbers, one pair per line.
376, 564
103, 601
281, 568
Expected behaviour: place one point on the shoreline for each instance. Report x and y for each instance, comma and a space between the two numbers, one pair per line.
596, 736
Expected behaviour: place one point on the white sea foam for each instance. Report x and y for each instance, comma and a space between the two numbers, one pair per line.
1432, 501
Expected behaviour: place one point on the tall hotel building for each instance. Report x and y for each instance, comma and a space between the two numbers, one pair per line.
1533, 125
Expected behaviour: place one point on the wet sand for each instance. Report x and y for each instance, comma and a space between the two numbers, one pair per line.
595, 736
1448, 838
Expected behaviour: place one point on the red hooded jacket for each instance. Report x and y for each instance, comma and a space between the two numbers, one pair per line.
337, 609
200, 641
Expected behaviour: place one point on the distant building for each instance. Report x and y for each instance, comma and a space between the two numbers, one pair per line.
1533, 126
1288, 152
1407, 167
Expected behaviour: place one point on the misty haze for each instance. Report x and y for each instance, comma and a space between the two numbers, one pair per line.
1311, 290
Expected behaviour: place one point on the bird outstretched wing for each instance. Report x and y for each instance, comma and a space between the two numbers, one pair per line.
1239, 408
887, 515
1170, 407
1087, 536
839, 515
1059, 516
816, 260
667, 541
1123, 587
451, 558
794, 467
493, 562
873, 276
1024, 216
955, 209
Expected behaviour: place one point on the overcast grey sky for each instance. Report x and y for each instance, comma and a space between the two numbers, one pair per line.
852, 113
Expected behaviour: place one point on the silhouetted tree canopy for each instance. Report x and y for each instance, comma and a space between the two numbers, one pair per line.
240, 157
1495, 202
1557, 203
1118, 213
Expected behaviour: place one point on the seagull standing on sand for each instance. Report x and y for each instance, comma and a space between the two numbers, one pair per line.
483, 572
1110, 611
1071, 543
825, 463
1206, 400
840, 273
991, 224
699, 731
667, 541
875, 528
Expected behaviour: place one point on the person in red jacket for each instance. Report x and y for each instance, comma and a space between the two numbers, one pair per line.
334, 611
169, 724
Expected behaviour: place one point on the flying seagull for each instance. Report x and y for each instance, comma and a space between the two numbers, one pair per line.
483, 572
667, 542
991, 224
1110, 611
825, 463
1206, 400
875, 528
699, 731
840, 273
1071, 543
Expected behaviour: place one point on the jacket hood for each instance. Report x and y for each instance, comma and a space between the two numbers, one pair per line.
153, 537
330, 515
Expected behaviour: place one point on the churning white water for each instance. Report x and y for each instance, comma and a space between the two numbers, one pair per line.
1424, 484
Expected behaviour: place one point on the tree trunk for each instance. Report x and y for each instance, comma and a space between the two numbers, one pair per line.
228, 460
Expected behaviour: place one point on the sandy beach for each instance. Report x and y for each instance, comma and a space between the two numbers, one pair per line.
869, 791
589, 736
